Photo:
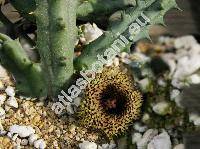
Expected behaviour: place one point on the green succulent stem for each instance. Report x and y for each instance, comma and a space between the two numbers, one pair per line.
86, 10
56, 32
28, 75
119, 25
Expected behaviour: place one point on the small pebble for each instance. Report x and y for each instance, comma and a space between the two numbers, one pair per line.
161, 108
12, 102
3, 132
124, 55
194, 79
88, 145
1, 126
174, 93
24, 142
161, 141
2, 112
2, 99
10, 135
136, 137
10, 91
139, 127
144, 84
23, 131
145, 117
1, 85
147, 136
7, 108
116, 61
32, 138
40, 144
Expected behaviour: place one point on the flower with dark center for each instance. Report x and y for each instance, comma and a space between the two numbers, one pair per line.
111, 102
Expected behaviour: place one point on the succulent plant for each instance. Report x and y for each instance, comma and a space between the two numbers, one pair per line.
111, 102
57, 34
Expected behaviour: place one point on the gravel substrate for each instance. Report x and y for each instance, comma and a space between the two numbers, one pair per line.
52, 131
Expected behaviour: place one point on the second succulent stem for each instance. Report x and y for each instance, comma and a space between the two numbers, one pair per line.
56, 22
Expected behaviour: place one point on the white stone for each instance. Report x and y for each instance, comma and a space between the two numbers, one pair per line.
161, 141
178, 100
10, 135
162, 39
170, 59
195, 118
32, 138
185, 62
168, 41
116, 61
186, 66
177, 83
197, 122
10, 91
112, 146
91, 33
24, 142
123, 55
140, 57
109, 63
17, 144
136, 137
1, 126
145, 117
40, 144
23, 131
144, 84
194, 79
161, 108
139, 127
104, 146
83, 40
2, 99
126, 61
179, 146
12, 102
174, 94
2, 87
7, 108
3, 132
195, 49
107, 146
87, 145
162, 82
148, 136
184, 42
2, 112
